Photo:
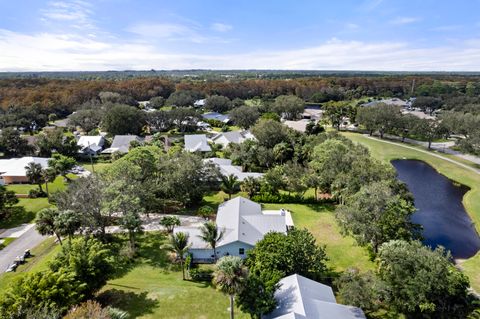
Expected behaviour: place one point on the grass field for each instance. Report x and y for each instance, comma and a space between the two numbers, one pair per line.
471, 200
154, 288
5, 242
56, 185
343, 252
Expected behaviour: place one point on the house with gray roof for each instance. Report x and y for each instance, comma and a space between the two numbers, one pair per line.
226, 168
196, 143
90, 145
301, 298
244, 224
121, 143
236, 137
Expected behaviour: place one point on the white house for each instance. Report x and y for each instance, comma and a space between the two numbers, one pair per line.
90, 145
12, 171
244, 224
300, 297
226, 168
236, 137
197, 143
121, 143
199, 103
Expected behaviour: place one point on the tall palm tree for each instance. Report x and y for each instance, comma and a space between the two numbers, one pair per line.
178, 243
229, 184
211, 235
49, 175
251, 186
34, 174
230, 278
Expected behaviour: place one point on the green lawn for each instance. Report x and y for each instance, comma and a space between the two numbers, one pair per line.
5, 242
343, 252
471, 200
154, 288
99, 167
56, 185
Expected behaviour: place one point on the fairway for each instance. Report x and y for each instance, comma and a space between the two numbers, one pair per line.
457, 173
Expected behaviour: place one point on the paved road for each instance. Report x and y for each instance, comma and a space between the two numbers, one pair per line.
27, 240
429, 153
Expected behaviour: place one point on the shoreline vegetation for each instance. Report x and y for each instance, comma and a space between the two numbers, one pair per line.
458, 174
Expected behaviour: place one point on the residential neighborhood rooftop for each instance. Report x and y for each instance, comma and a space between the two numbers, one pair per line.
226, 168
302, 298
197, 143
121, 143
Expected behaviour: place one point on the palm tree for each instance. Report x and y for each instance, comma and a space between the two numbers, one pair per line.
229, 278
229, 184
211, 235
178, 243
34, 174
251, 186
49, 175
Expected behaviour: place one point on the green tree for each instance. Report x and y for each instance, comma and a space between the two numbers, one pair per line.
229, 278
289, 106
34, 173
376, 215
62, 164
156, 102
251, 186
336, 112
55, 141
286, 254
169, 222
258, 296
86, 119
211, 235
363, 290
45, 223
422, 281
230, 185
67, 222
183, 98
178, 244
123, 119
218, 103
85, 196
12, 143
49, 176
428, 129
47, 291
88, 259
7, 200
244, 116
269, 133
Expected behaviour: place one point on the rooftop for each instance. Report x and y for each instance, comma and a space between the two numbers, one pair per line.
197, 142
300, 297
16, 166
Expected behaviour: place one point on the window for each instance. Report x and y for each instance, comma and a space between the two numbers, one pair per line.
241, 251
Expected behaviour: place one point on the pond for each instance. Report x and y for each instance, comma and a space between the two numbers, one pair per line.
440, 210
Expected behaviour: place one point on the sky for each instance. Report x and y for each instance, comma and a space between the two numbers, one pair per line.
382, 35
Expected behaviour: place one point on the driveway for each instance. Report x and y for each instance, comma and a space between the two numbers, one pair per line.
27, 238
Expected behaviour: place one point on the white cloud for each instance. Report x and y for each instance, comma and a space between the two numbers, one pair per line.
352, 26
57, 52
404, 20
221, 27
70, 13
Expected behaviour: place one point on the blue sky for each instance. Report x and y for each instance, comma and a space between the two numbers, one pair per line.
418, 35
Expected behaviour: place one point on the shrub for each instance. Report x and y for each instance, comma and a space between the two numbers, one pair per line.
36, 193
206, 211
265, 197
197, 274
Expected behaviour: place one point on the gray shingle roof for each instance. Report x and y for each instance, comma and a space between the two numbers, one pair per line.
121, 143
197, 142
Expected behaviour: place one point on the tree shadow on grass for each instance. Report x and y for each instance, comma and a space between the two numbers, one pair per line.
15, 216
136, 304
151, 251
321, 208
